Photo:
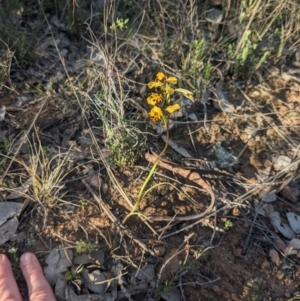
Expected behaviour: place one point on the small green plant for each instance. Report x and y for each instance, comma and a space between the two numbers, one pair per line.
83, 204
193, 63
199, 252
14, 32
196, 66
258, 291
70, 276
4, 146
246, 10
84, 247
207, 73
262, 29
125, 145
74, 277
13, 254
46, 151
167, 285
123, 138
246, 56
228, 225
120, 24
44, 174
193, 263
189, 264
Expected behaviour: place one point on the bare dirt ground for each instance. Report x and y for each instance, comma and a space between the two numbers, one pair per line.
75, 151
236, 266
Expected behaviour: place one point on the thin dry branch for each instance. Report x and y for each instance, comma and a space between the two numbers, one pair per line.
115, 221
187, 174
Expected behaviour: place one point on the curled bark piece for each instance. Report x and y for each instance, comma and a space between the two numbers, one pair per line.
190, 175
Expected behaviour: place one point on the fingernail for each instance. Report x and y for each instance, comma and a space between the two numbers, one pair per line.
26, 258
2, 258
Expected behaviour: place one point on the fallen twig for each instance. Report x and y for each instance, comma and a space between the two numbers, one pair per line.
121, 228
187, 174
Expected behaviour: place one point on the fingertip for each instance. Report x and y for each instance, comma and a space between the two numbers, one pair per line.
27, 258
3, 258
8, 286
38, 287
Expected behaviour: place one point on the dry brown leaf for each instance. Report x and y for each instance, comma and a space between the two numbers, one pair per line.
283, 228
179, 149
293, 247
274, 256
95, 281
95, 181
280, 244
290, 193
294, 221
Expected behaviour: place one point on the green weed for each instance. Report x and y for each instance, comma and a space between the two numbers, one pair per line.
167, 286
74, 277
83, 204
193, 63
228, 225
122, 137
120, 24
14, 259
266, 28
5, 146
84, 247
207, 73
197, 68
125, 146
71, 276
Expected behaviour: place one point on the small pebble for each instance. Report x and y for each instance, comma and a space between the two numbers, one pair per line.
159, 251
274, 256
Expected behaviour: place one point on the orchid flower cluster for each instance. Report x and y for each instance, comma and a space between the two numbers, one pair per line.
160, 98
162, 106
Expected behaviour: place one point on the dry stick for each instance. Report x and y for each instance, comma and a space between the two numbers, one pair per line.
253, 191
101, 234
249, 234
179, 250
117, 223
286, 139
187, 174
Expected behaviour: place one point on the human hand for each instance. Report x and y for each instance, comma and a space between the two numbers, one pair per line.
38, 287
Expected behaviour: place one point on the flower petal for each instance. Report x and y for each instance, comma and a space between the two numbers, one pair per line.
173, 108
172, 80
156, 114
169, 90
152, 85
160, 76
154, 98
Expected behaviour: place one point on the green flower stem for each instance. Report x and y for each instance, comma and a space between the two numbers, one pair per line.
141, 193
